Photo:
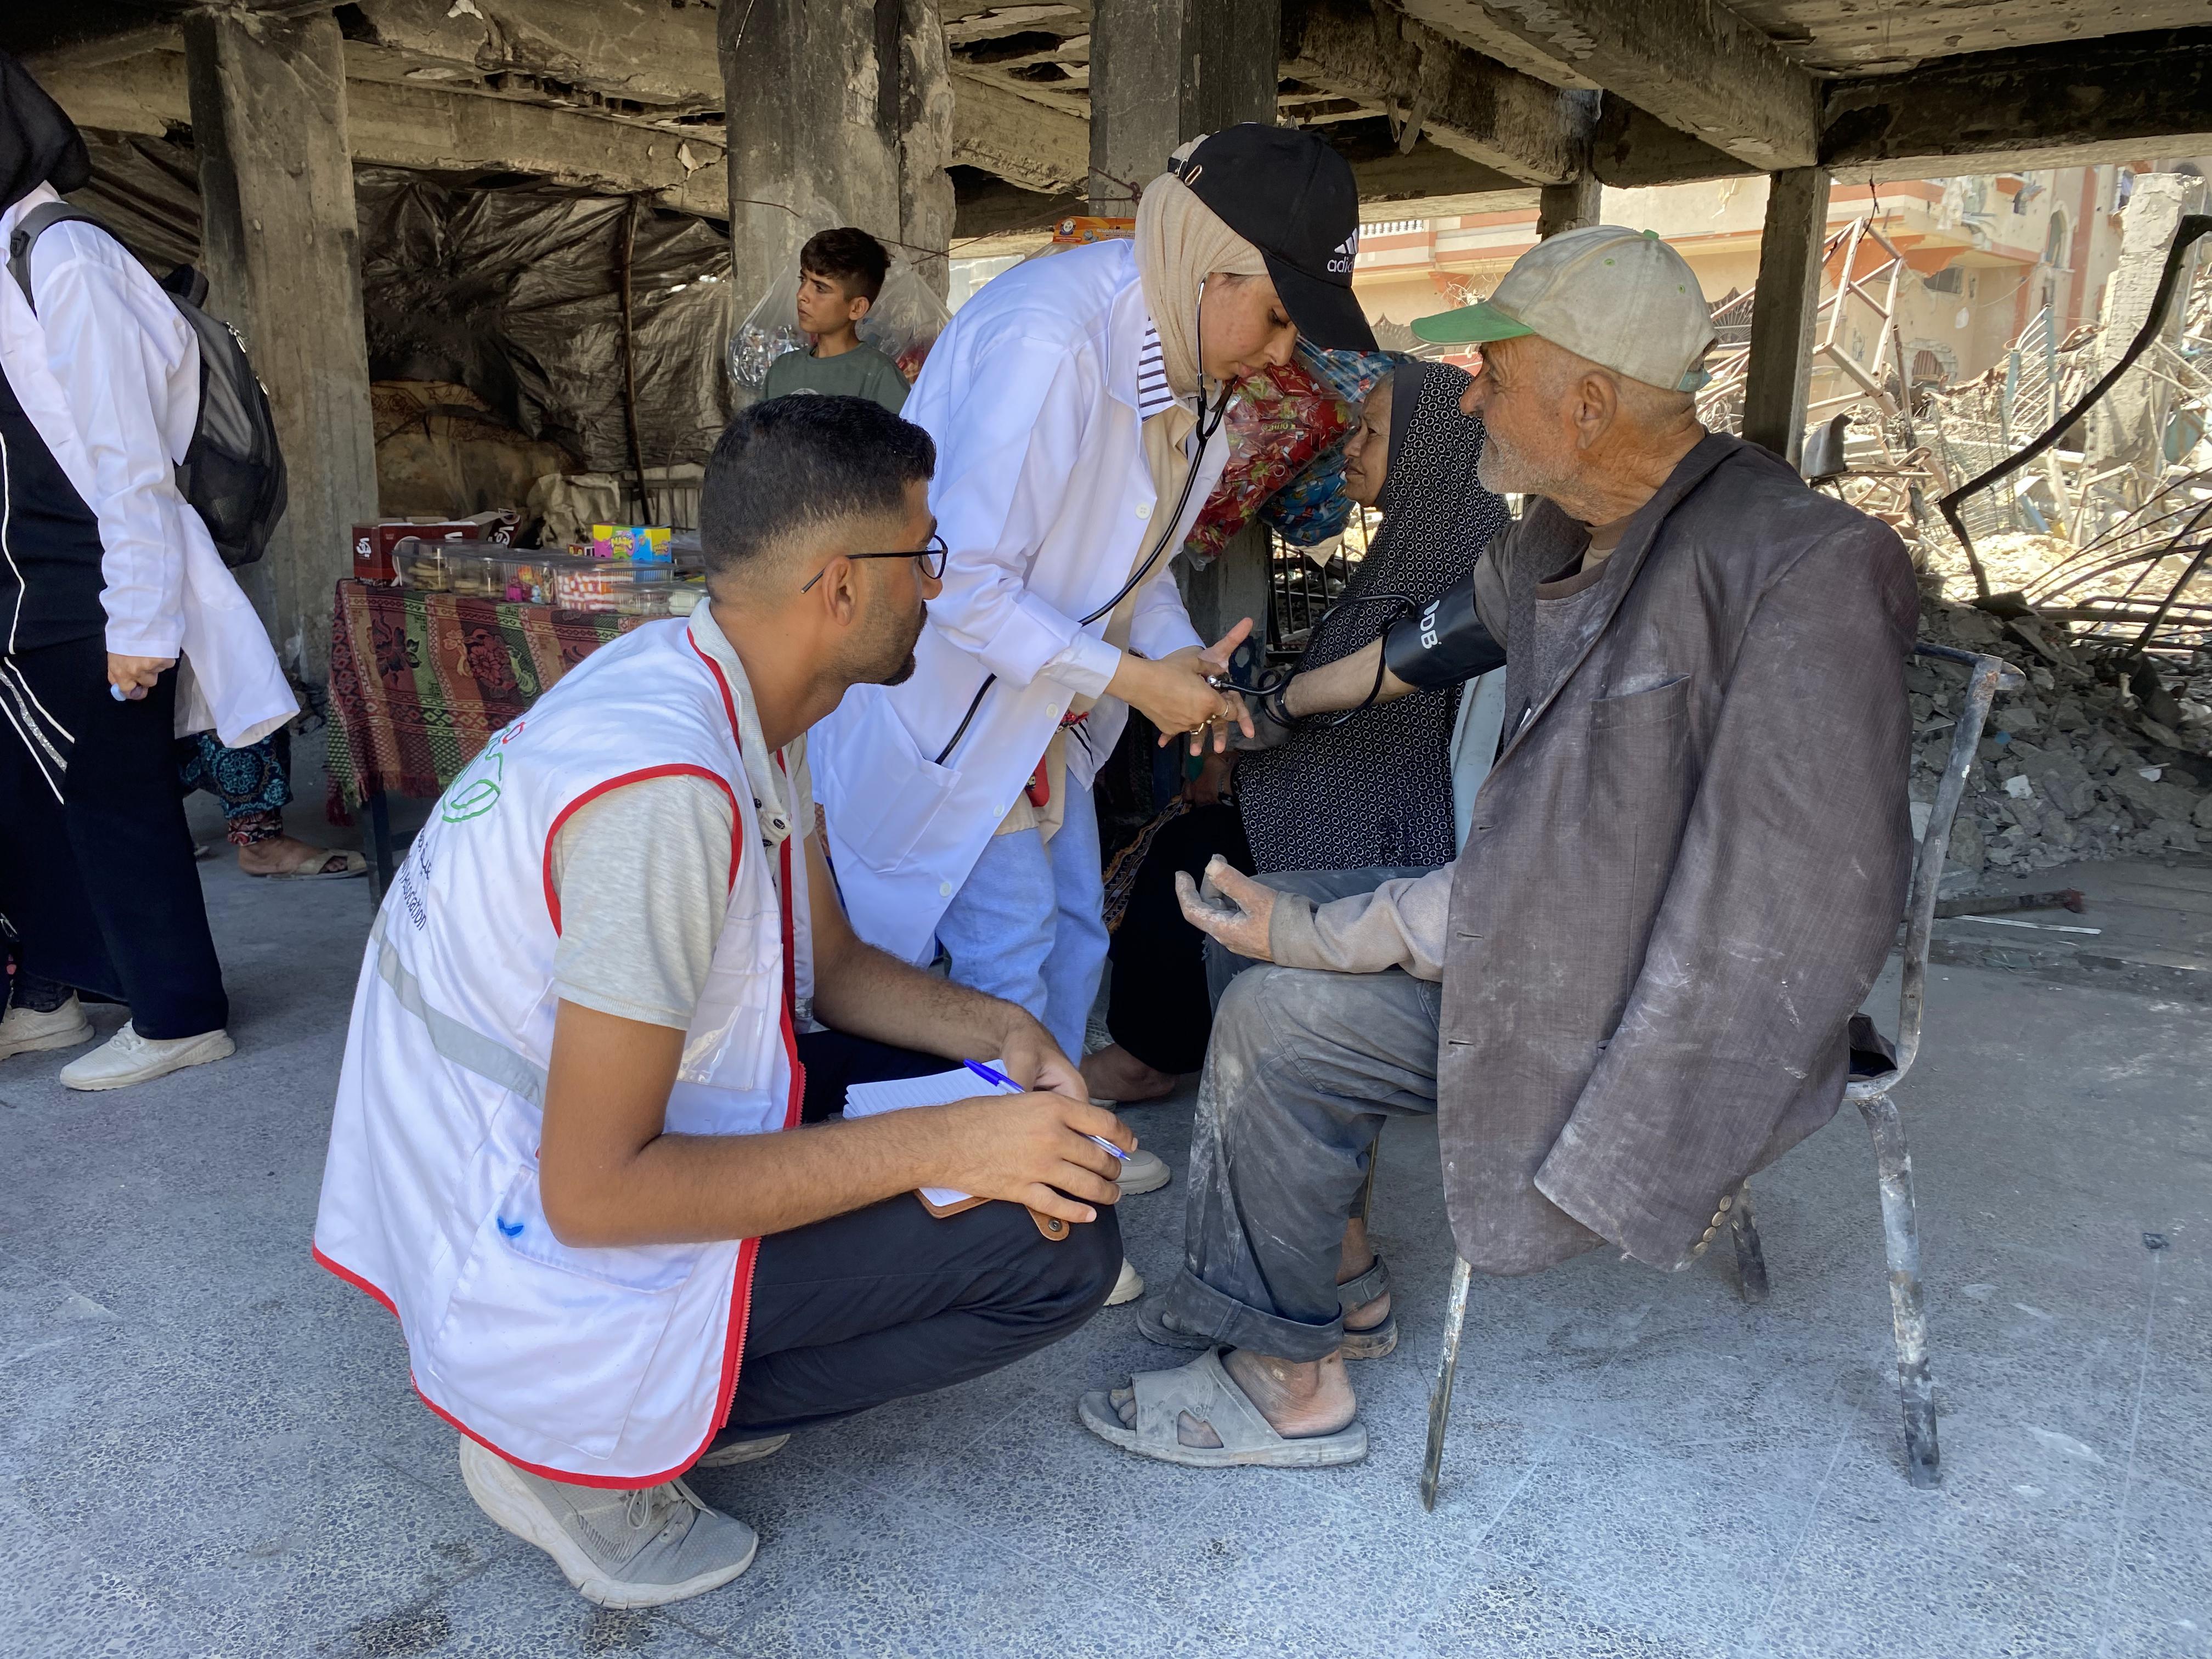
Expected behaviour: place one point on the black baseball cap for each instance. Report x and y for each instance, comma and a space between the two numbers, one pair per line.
1293, 198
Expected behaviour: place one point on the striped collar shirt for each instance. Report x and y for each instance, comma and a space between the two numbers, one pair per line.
1152, 393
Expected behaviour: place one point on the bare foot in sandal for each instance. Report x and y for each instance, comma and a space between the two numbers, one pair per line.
1300, 1398
285, 855
1116, 1075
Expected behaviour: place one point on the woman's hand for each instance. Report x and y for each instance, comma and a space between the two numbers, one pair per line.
134, 677
1173, 694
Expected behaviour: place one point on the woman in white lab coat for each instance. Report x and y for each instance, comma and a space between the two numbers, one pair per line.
1073, 401
119, 629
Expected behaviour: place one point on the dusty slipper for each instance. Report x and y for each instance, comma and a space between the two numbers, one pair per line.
1211, 1395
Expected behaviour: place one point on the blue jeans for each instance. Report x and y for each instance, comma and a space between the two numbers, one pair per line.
1026, 924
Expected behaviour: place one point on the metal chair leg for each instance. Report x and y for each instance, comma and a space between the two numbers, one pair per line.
1447, 1368
1901, 1236
1750, 1259
1366, 1210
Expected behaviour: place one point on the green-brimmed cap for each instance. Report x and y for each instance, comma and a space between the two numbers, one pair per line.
1622, 298
1476, 325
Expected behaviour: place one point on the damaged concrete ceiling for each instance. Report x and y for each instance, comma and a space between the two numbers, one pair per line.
1441, 105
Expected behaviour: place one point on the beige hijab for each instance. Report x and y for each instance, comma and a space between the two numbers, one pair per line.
1181, 241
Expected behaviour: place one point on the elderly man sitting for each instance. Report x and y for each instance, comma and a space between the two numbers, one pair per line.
1634, 987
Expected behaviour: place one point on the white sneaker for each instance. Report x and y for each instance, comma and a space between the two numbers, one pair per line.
735, 1452
1126, 1288
1143, 1172
127, 1058
24, 1030
620, 1549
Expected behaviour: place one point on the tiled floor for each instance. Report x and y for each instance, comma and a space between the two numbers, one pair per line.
209, 1447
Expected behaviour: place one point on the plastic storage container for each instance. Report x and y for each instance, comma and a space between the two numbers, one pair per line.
661, 587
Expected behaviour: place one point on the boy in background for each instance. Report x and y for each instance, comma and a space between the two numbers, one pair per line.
841, 272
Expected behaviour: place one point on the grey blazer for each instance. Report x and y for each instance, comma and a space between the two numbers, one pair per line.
1680, 879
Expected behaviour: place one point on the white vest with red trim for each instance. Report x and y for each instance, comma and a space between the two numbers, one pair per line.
609, 1366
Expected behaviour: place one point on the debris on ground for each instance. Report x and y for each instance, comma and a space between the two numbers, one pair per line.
2103, 754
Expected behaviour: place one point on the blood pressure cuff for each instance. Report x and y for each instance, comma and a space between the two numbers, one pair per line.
1444, 644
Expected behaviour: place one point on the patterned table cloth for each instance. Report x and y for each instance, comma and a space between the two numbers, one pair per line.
420, 681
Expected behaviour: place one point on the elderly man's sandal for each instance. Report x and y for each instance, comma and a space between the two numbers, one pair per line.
1211, 1395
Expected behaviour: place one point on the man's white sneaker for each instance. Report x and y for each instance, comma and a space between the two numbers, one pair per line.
729, 1455
620, 1549
127, 1058
1127, 1286
26, 1030
1143, 1172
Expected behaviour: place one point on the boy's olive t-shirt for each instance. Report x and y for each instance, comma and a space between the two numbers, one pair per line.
863, 372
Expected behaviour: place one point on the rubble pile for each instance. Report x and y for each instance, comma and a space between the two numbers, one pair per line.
2101, 755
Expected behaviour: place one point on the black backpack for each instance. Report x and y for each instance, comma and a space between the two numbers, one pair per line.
232, 473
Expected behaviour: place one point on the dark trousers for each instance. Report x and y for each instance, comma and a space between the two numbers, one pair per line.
99, 885
1157, 1006
891, 1301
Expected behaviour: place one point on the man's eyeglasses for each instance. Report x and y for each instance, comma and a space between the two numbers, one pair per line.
931, 559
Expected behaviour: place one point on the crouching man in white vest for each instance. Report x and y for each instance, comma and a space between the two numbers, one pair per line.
581, 1024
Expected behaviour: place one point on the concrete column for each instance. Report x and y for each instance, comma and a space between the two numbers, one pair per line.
1165, 71
1136, 98
1788, 297
1567, 207
1162, 71
838, 114
281, 248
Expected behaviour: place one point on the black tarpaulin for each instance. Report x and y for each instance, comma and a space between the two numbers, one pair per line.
511, 289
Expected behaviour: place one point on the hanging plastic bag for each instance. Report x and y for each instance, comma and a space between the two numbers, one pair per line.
1281, 424
770, 329
906, 319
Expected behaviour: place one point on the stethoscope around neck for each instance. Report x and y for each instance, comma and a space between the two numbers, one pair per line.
1209, 422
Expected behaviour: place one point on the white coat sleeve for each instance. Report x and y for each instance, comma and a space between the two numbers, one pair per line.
1011, 441
116, 366
1160, 626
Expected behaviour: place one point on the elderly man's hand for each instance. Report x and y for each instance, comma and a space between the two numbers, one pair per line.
1231, 907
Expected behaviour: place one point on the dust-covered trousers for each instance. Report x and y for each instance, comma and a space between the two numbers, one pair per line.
1304, 1068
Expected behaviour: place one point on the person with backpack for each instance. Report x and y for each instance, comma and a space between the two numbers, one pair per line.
121, 627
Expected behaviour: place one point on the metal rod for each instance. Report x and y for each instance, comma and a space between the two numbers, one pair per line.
629, 359
2192, 226
1367, 1187
1750, 1257
1447, 1368
1900, 1232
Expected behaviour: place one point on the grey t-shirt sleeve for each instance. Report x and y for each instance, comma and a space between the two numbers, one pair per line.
643, 878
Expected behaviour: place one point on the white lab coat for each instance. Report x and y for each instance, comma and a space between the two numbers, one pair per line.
104, 338
1042, 493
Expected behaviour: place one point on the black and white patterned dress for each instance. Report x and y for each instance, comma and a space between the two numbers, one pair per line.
1377, 790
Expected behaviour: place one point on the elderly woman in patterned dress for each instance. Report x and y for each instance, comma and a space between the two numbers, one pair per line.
1374, 791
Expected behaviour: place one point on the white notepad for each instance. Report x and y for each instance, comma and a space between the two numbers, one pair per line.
938, 1089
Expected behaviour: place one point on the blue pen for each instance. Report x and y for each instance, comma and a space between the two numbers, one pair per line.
990, 1076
